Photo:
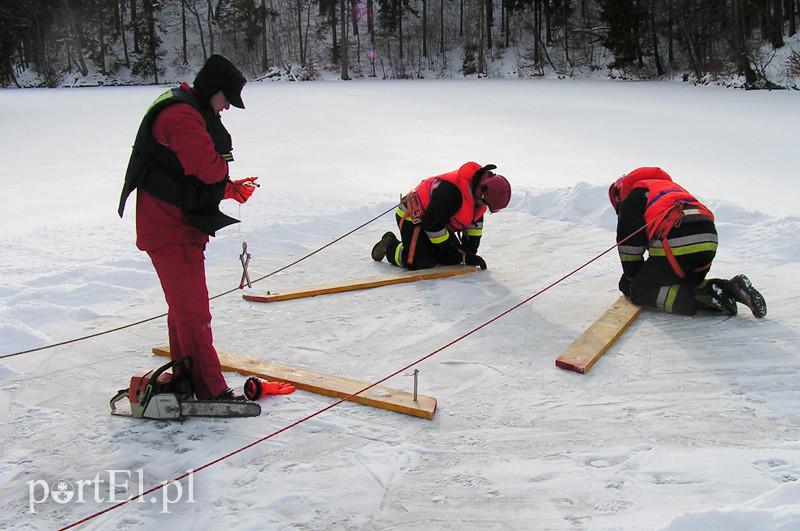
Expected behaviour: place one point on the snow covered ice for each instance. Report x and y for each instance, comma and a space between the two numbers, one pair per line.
685, 424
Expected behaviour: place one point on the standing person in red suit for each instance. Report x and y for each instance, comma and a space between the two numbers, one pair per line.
681, 241
441, 219
179, 167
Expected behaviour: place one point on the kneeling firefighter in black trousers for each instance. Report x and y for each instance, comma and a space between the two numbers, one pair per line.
441, 219
681, 241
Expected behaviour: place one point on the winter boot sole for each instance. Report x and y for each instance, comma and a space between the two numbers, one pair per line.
380, 248
743, 291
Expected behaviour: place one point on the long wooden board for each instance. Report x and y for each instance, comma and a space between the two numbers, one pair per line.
598, 338
326, 384
366, 283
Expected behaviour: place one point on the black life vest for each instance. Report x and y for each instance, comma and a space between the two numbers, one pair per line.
157, 170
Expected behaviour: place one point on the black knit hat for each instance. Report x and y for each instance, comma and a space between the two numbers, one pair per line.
220, 74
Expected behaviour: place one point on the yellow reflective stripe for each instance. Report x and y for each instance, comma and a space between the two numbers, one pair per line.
474, 232
631, 258
686, 249
671, 296
400, 212
439, 239
227, 157
164, 96
398, 254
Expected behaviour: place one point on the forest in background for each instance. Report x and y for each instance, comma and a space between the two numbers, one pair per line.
98, 42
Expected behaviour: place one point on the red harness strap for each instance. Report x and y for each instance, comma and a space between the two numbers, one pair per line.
670, 219
413, 247
414, 212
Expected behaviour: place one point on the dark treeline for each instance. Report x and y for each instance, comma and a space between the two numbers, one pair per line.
137, 41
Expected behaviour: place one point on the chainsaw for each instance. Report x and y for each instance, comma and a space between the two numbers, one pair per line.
159, 394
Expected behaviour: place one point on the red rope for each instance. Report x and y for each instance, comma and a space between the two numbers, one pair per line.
123, 327
345, 399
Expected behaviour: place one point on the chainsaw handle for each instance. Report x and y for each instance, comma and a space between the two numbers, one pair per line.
122, 393
148, 391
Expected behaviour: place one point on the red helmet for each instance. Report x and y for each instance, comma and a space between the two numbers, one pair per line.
495, 191
615, 192
622, 186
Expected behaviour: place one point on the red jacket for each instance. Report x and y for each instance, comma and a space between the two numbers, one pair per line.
661, 197
182, 129
468, 213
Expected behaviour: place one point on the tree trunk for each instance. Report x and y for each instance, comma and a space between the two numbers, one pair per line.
400, 28
135, 22
654, 38
537, 31
566, 31
116, 18
638, 40
738, 39
777, 23
211, 26
489, 22
200, 31
425, 28
441, 29
300, 32
371, 21
354, 19
461, 19
76, 36
507, 26
332, 21
233, 29
101, 39
548, 28
151, 26
670, 26
264, 51
123, 34
481, 38
183, 32
345, 40
305, 35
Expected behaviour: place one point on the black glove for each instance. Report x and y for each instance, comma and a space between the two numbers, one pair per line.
475, 260
625, 285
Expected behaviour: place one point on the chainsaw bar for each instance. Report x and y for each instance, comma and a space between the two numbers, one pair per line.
219, 408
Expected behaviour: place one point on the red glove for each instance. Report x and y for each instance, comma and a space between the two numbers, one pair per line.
240, 190
255, 388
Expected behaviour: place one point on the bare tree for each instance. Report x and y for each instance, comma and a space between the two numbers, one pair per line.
76, 38
344, 42
191, 5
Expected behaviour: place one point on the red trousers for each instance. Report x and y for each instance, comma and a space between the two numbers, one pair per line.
181, 270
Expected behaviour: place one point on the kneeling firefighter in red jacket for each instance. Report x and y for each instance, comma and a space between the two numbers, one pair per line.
441, 220
681, 240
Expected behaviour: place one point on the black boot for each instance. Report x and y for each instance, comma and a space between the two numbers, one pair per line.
712, 296
230, 394
380, 248
741, 289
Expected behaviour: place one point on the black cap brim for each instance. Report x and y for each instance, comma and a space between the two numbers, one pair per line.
234, 98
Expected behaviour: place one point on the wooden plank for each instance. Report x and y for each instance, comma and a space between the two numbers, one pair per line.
598, 338
366, 283
326, 384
